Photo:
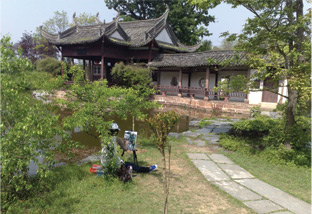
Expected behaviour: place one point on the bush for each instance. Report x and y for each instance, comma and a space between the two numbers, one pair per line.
131, 76
231, 143
269, 136
255, 128
50, 65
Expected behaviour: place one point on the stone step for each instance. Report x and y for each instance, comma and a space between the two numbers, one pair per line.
276, 195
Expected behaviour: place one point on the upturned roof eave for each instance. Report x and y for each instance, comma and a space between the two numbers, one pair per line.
158, 24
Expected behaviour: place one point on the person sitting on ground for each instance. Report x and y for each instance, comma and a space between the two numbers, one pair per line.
110, 151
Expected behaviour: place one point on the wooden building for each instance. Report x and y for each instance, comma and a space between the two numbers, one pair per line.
103, 44
179, 69
196, 74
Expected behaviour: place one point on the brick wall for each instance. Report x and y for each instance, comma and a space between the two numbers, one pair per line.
211, 105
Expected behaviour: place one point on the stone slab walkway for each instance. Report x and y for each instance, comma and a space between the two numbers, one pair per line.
254, 193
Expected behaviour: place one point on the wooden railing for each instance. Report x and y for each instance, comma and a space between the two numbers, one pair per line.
193, 91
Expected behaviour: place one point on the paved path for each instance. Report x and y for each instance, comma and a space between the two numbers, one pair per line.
236, 181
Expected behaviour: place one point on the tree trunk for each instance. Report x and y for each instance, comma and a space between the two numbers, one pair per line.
292, 93
165, 181
290, 112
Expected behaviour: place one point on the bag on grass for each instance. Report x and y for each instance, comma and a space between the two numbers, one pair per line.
124, 174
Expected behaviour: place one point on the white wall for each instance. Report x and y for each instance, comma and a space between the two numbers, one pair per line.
255, 97
163, 36
166, 77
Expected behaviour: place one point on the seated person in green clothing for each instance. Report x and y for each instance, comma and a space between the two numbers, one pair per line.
111, 148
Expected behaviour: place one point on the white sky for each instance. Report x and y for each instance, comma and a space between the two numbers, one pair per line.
19, 16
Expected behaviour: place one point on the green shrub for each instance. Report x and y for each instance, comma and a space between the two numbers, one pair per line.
267, 137
50, 65
231, 143
259, 126
283, 155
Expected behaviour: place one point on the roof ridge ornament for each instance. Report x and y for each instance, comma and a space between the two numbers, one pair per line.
97, 18
117, 17
74, 19
75, 22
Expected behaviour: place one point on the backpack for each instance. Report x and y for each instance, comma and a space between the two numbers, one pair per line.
124, 174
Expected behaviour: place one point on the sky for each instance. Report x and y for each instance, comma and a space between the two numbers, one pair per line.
20, 16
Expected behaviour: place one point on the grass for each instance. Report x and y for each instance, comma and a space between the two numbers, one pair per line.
75, 190
204, 122
289, 178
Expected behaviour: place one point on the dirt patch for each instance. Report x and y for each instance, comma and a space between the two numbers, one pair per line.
204, 149
190, 192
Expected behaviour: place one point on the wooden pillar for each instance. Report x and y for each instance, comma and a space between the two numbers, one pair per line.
90, 70
158, 78
72, 62
62, 69
207, 84
246, 100
150, 51
180, 82
189, 82
102, 67
102, 60
216, 84
84, 68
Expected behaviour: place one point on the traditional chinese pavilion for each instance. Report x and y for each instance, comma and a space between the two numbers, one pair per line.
180, 70
104, 44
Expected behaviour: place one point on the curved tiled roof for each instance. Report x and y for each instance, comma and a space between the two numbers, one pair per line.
135, 33
205, 58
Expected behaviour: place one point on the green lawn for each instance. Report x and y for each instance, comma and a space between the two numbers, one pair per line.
76, 190
291, 179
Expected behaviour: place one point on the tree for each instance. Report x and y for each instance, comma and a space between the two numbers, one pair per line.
226, 45
137, 78
93, 103
28, 130
279, 31
161, 124
205, 46
43, 47
85, 19
187, 21
27, 44
58, 23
